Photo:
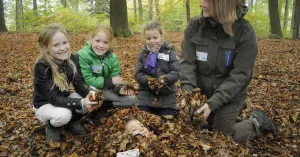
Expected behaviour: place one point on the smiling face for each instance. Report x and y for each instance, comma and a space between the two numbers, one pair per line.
59, 47
135, 127
204, 7
100, 43
153, 38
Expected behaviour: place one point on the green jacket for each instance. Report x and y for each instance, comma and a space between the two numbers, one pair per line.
220, 65
97, 71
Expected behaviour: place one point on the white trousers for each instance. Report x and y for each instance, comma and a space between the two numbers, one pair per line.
58, 116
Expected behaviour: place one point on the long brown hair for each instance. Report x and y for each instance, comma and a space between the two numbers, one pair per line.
44, 40
225, 12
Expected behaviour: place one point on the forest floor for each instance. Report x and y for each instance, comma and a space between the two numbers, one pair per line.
275, 88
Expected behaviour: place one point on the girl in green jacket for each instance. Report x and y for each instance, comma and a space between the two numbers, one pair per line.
101, 69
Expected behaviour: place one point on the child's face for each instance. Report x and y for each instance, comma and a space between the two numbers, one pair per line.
153, 38
100, 43
59, 47
135, 127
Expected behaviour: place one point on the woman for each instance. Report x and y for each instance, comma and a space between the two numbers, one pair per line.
218, 55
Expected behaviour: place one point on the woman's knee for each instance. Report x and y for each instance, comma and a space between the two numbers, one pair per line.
61, 117
223, 124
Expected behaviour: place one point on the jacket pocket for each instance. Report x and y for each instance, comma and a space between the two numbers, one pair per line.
204, 65
226, 57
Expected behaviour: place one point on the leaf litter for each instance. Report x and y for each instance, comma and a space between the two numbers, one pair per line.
274, 89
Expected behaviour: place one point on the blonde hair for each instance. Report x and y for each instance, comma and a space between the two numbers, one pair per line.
108, 31
225, 12
154, 25
44, 40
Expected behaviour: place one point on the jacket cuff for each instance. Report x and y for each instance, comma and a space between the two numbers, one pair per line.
75, 104
146, 81
186, 87
166, 80
213, 103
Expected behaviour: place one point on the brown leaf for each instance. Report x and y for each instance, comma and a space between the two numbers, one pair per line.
123, 144
54, 144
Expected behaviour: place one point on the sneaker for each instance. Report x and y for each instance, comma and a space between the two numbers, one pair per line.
75, 128
52, 133
263, 123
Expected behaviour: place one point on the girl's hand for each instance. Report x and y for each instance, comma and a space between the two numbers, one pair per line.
206, 110
129, 92
117, 80
91, 95
162, 81
90, 104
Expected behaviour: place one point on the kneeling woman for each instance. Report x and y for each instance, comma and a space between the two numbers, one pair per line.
54, 70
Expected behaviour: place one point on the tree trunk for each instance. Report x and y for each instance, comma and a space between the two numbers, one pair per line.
157, 10
34, 7
97, 6
134, 10
188, 11
19, 15
296, 19
293, 13
118, 18
150, 10
64, 3
2, 18
45, 6
274, 19
286, 15
140, 11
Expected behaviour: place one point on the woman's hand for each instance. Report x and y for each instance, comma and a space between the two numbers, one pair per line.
206, 110
117, 80
90, 104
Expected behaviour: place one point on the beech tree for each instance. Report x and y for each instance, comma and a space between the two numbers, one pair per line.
274, 19
119, 19
2, 19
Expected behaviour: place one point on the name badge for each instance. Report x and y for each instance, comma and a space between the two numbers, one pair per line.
201, 56
163, 56
228, 56
96, 69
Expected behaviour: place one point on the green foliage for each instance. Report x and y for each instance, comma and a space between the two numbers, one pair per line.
172, 15
258, 16
133, 22
178, 20
75, 21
